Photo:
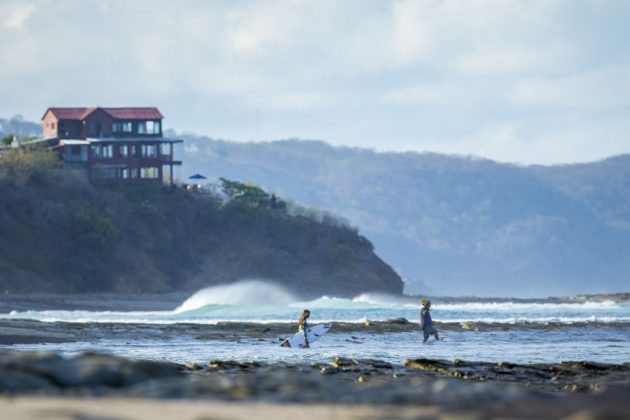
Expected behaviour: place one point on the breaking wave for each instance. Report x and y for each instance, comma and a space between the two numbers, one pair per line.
260, 301
241, 293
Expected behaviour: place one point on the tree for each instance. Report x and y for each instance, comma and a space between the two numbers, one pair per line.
246, 194
26, 162
6, 140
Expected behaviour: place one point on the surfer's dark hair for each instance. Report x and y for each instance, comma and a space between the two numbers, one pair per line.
305, 313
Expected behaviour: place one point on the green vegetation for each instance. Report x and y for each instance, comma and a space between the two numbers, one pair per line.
6, 140
24, 164
62, 234
245, 194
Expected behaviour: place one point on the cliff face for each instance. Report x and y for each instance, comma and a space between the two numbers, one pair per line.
61, 234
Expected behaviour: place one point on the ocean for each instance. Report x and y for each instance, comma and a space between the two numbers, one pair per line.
544, 331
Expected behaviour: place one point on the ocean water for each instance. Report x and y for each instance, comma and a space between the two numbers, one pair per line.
521, 332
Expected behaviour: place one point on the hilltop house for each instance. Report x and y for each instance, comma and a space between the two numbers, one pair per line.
114, 145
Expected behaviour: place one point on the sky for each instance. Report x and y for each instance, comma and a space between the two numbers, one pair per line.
515, 81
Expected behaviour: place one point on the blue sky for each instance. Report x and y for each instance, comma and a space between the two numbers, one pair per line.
519, 81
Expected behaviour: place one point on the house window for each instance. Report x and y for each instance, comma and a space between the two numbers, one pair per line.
148, 173
125, 173
102, 151
142, 127
52, 125
106, 173
149, 150
123, 150
117, 127
107, 151
96, 151
153, 127
127, 127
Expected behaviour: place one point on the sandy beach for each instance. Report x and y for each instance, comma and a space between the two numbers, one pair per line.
138, 409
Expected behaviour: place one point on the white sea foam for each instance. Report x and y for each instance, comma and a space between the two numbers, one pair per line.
260, 301
544, 320
249, 292
526, 306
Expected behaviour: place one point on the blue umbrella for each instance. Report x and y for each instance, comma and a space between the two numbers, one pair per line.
197, 176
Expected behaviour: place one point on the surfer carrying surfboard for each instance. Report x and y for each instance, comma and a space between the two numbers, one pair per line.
425, 321
303, 325
305, 334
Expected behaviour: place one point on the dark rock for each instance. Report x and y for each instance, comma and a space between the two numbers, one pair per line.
488, 389
85, 370
21, 382
398, 321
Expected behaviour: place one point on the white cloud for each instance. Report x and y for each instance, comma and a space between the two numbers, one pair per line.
504, 79
511, 60
14, 15
606, 88
427, 94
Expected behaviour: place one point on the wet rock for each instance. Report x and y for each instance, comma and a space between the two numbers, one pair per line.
426, 364
232, 365
488, 389
377, 364
397, 321
327, 370
86, 370
21, 382
343, 362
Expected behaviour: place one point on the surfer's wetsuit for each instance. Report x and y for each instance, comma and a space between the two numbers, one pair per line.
427, 324
302, 328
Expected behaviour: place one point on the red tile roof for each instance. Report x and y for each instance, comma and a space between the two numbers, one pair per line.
128, 113
134, 113
67, 113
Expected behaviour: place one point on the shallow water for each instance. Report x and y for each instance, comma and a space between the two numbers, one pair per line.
587, 340
519, 346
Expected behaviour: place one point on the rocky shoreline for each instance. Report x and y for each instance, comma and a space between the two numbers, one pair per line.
489, 389
23, 331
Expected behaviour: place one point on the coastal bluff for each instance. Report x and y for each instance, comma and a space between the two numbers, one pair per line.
63, 234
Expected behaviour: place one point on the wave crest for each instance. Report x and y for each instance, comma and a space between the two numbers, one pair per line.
242, 293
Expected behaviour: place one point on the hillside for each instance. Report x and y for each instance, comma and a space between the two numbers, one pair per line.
454, 225
62, 234
450, 225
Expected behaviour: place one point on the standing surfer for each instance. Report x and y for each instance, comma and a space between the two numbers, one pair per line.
303, 325
426, 322
302, 328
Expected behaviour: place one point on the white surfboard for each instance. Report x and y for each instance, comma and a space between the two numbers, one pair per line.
312, 333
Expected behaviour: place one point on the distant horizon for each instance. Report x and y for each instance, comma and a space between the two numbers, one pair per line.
373, 149
386, 151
